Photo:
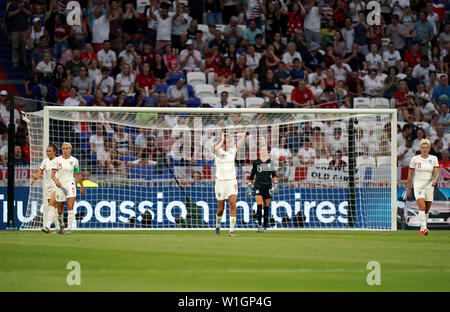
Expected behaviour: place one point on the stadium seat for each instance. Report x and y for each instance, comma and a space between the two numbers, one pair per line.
190, 89
382, 103
287, 90
174, 77
196, 78
311, 78
204, 28
210, 100
361, 102
237, 101
383, 161
194, 102
242, 27
161, 88
204, 90
228, 88
254, 102
362, 161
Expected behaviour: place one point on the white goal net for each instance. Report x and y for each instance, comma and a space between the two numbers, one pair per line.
153, 168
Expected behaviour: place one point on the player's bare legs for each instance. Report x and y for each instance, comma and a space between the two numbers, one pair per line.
427, 211
219, 214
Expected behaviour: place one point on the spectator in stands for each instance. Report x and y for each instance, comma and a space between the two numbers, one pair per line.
121, 100
420, 134
177, 95
251, 31
97, 143
106, 57
99, 23
93, 70
105, 83
354, 85
313, 58
426, 108
114, 163
74, 98
37, 54
411, 81
306, 154
302, 96
46, 66
401, 137
282, 150
290, 55
373, 87
337, 160
392, 58
422, 71
125, 81
319, 144
83, 83
441, 94
397, 33
390, 82
270, 84
336, 142
248, 85
413, 56
122, 141
160, 70
164, 23
424, 32
190, 59
445, 161
442, 135
436, 148
19, 160
19, 12
373, 59
405, 152
436, 58
444, 117
88, 54
129, 53
284, 171
444, 37
32, 36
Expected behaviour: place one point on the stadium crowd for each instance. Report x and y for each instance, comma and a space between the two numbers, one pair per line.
290, 54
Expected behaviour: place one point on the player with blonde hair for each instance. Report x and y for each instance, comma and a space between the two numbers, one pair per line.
423, 166
62, 174
226, 178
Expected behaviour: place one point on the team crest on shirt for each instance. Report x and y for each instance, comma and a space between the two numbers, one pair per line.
219, 194
429, 160
420, 193
71, 163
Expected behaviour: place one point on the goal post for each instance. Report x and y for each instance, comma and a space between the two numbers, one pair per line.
153, 167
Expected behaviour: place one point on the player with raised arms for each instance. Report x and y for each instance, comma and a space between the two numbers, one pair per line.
64, 167
49, 188
261, 177
226, 179
423, 165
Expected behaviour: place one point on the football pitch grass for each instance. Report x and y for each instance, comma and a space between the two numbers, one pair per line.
175, 261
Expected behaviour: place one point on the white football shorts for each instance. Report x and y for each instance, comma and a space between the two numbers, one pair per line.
426, 194
225, 189
66, 191
48, 193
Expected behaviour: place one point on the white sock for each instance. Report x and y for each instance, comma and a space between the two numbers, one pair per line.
426, 219
70, 215
55, 218
422, 220
218, 219
50, 217
232, 223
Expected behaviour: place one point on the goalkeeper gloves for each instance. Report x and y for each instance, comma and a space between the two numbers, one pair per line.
274, 189
248, 192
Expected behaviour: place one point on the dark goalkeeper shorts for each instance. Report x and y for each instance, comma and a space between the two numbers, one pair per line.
262, 191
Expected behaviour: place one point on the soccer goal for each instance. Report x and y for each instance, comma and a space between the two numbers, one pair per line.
153, 168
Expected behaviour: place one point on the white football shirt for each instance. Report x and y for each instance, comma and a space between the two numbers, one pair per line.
46, 167
65, 169
423, 170
224, 160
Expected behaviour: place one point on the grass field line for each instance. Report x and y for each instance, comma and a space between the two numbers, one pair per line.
222, 271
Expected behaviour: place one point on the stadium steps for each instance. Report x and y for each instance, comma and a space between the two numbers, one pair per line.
11, 79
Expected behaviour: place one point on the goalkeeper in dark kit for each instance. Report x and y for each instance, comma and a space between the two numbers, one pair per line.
261, 178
